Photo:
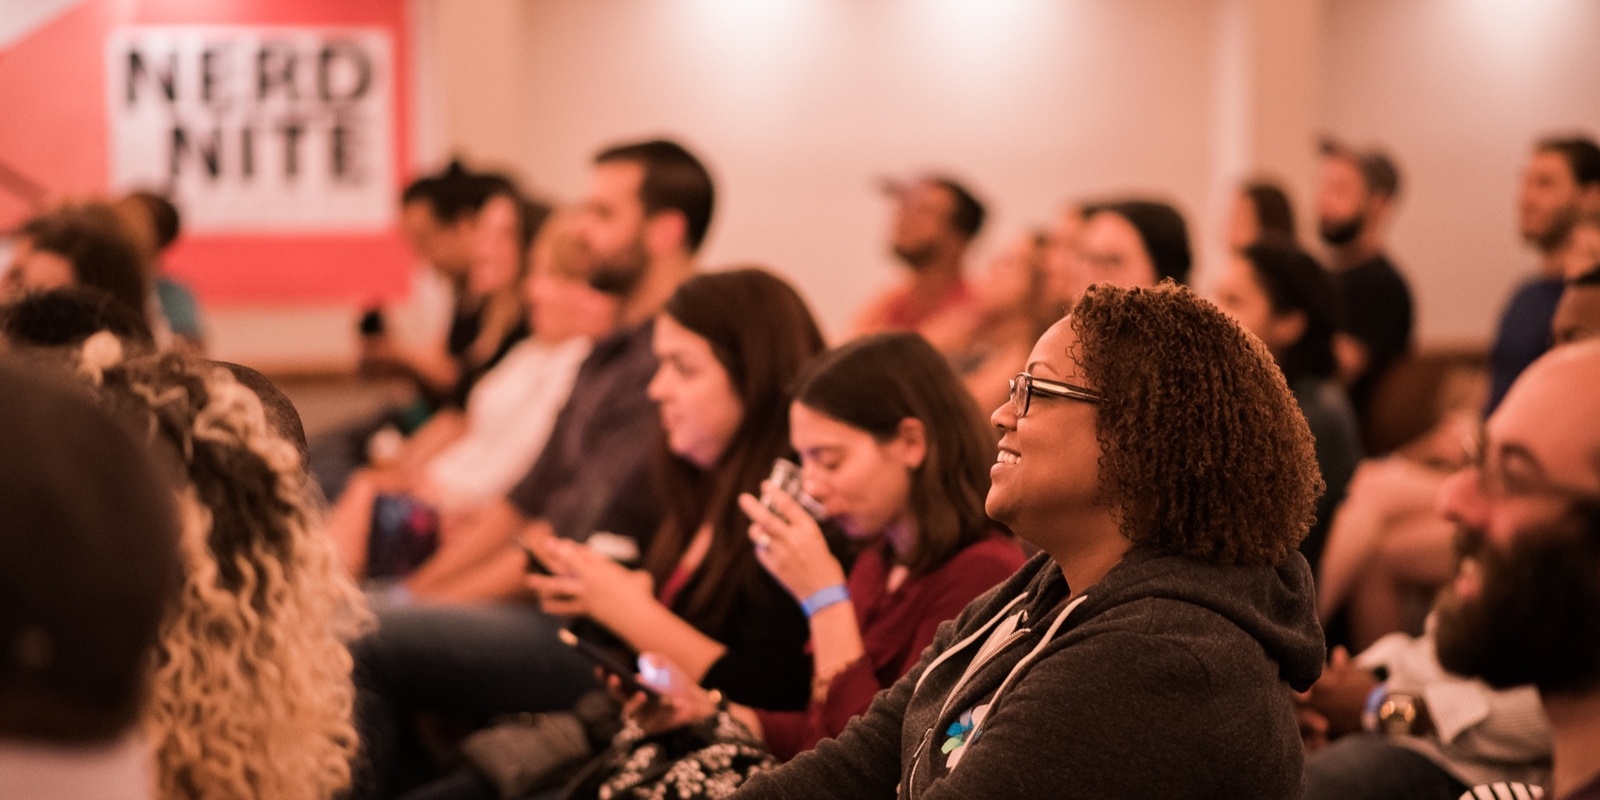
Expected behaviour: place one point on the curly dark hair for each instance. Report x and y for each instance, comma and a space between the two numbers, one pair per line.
1205, 452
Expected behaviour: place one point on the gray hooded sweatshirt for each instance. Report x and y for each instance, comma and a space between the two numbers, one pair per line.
1170, 678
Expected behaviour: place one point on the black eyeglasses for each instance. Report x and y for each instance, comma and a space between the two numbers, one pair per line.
1512, 474
1025, 386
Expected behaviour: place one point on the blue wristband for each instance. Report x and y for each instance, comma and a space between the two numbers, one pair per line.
823, 598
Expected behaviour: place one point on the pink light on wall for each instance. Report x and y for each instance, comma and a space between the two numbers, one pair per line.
53, 85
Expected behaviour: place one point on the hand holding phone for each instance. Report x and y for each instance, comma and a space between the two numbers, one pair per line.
625, 675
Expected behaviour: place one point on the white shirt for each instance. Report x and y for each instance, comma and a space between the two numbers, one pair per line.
1483, 735
510, 414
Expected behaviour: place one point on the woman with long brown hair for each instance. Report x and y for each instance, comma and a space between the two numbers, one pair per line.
896, 455
729, 345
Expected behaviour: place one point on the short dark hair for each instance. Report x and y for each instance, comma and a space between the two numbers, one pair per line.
967, 213
1205, 452
875, 383
68, 316
164, 217
88, 563
1274, 213
674, 180
454, 193
1378, 171
90, 237
1294, 282
1581, 153
282, 417
1161, 230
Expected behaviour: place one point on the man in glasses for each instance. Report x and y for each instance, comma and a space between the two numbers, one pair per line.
1524, 608
1520, 507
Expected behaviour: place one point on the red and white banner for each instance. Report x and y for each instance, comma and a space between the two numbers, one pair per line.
279, 126
256, 129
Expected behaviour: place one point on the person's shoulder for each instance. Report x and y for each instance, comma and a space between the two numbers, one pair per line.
624, 350
1223, 613
991, 554
1324, 403
1024, 581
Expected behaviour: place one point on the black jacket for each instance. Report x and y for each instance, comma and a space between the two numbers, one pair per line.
1170, 678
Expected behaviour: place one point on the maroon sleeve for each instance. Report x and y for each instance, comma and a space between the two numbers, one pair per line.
971, 573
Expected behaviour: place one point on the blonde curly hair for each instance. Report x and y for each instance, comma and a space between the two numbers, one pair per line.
252, 694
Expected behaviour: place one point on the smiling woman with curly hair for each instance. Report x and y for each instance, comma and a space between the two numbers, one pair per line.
1155, 455
251, 695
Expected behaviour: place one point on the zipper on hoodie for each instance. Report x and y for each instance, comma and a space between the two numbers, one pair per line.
972, 669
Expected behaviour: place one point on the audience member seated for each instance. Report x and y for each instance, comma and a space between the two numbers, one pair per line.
481, 227
647, 212
1577, 316
88, 568
1356, 198
152, 222
1261, 209
49, 322
474, 229
252, 694
730, 344
459, 462
1155, 455
898, 456
1521, 610
1448, 732
1063, 256
1135, 243
1011, 307
935, 221
77, 245
1582, 251
1283, 296
1560, 183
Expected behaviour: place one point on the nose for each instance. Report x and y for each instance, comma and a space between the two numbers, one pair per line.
812, 485
656, 390
1004, 417
1461, 498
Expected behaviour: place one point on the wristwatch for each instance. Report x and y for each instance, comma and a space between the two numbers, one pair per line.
1395, 713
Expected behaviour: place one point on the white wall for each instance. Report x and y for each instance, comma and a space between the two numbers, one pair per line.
800, 105
1458, 90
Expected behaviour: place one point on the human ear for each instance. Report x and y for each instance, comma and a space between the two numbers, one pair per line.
911, 440
666, 231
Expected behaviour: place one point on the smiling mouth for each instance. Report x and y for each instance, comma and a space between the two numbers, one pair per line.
1468, 580
1007, 457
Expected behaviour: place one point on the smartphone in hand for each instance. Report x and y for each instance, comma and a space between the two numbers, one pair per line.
626, 675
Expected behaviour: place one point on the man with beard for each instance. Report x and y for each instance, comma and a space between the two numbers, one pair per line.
1524, 608
1561, 182
1355, 200
1443, 733
645, 215
936, 219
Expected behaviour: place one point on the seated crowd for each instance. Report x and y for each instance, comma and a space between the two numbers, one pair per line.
1067, 528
